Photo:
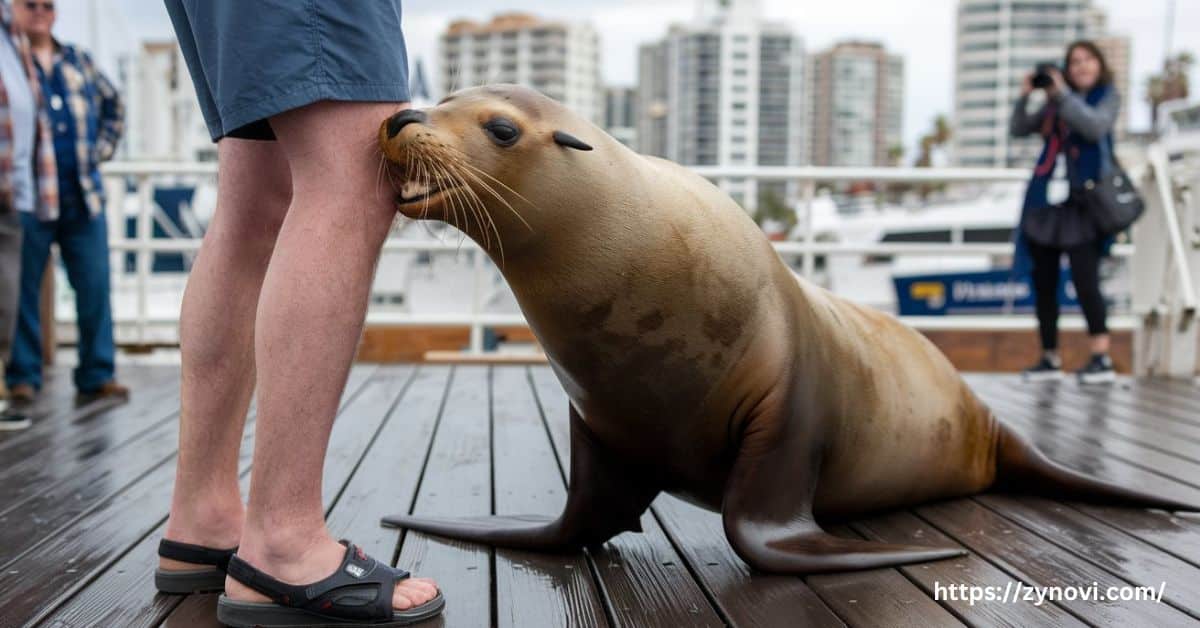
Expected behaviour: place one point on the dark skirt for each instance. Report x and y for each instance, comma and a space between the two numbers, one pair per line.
1061, 225
250, 60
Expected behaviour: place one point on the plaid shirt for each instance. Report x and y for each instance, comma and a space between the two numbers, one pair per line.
44, 167
99, 118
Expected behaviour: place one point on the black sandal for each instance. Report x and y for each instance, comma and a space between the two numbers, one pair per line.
192, 580
359, 593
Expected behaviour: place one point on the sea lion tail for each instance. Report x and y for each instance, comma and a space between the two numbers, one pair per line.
1021, 468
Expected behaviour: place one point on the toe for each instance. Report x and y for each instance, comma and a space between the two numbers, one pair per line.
414, 592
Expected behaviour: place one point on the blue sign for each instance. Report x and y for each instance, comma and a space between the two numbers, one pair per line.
984, 292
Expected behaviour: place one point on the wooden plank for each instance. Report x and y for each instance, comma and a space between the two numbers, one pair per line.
1153, 419
390, 470
865, 598
356, 426
54, 410
533, 589
463, 357
38, 581
1097, 413
91, 453
1178, 536
457, 483
113, 584
1111, 550
645, 581
1031, 558
1078, 446
744, 597
970, 570
1173, 535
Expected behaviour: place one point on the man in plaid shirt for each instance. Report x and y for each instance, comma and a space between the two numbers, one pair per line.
84, 116
28, 178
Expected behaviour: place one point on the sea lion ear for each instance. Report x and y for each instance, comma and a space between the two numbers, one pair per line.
570, 141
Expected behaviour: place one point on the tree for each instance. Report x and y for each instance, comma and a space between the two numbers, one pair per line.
772, 209
1170, 84
936, 138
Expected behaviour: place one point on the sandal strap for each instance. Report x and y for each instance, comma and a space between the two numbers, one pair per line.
197, 554
361, 588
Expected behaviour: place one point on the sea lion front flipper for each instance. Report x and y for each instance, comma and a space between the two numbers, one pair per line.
768, 509
605, 496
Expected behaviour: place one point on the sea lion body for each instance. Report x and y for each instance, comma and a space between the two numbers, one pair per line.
696, 362
668, 350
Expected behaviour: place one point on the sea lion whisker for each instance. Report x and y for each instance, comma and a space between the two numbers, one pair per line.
502, 184
491, 224
487, 213
490, 190
452, 199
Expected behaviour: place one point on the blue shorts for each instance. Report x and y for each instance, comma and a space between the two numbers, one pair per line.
250, 60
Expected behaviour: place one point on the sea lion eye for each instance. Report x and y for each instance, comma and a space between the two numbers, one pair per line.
502, 131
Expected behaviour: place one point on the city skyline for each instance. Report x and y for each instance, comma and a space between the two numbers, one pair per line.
927, 43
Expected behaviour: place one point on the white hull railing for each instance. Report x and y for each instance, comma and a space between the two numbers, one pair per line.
1166, 276
145, 327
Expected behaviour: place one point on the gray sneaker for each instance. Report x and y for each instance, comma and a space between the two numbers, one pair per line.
1098, 370
12, 421
1047, 368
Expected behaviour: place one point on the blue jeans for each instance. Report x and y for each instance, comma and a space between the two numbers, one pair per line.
83, 242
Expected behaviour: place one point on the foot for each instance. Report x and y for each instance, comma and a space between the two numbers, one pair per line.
1048, 368
11, 421
215, 527
1098, 370
108, 390
306, 561
22, 394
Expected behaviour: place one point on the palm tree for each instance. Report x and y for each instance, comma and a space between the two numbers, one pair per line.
1170, 84
937, 137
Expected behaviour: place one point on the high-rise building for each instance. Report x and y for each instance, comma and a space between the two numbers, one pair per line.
857, 92
558, 59
725, 89
620, 118
997, 43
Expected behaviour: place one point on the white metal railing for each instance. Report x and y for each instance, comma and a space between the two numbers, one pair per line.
144, 246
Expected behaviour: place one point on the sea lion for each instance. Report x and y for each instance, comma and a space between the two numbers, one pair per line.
696, 362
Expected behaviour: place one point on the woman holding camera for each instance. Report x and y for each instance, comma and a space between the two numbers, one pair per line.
1076, 122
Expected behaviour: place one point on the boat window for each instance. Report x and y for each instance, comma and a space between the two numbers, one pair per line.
917, 236
993, 235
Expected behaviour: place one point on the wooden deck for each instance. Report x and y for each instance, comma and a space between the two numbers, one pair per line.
84, 494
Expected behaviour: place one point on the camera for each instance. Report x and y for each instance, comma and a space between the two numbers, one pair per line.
1041, 75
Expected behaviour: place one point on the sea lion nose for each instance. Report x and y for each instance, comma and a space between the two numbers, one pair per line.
397, 122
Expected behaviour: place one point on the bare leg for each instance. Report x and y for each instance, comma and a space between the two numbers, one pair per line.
1099, 343
309, 321
216, 329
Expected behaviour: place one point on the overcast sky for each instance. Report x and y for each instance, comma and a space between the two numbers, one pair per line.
923, 32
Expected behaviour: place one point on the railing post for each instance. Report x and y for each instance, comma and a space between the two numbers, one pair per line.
46, 313
810, 256
145, 237
477, 301
1167, 341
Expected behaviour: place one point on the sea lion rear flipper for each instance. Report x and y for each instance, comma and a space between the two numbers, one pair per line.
1021, 468
768, 511
605, 496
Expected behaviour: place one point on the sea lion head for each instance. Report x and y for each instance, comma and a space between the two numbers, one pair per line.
499, 162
